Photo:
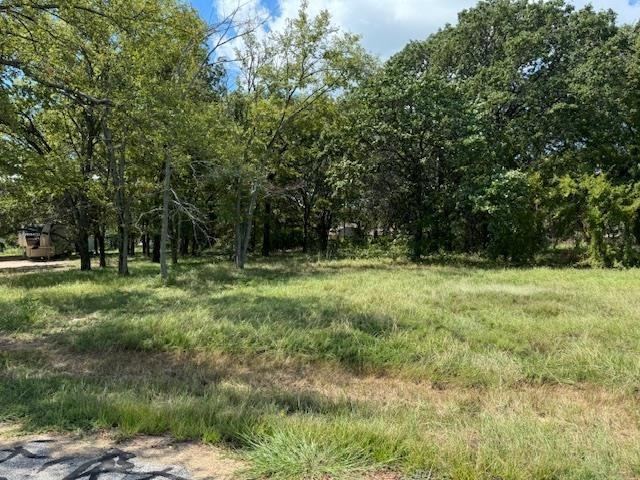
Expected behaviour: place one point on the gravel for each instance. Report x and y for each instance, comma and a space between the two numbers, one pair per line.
38, 460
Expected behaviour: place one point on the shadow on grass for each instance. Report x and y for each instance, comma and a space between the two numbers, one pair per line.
211, 274
193, 274
207, 309
149, 394
553, 258
309, 327
202, 309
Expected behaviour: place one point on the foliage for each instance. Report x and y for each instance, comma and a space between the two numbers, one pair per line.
510, 202
130, 120
611, 213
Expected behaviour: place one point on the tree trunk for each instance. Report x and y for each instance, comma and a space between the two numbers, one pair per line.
99, 235
266, 229
239, 261
244, 225
323, 231
155, 256
83, 249
145, 244
252, 239
194, 245
81, 225
132, 246
82, 205
184, 245
241, 243
174, 251
164, 232
123, 249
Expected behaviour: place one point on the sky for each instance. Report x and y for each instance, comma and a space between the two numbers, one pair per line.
386, 25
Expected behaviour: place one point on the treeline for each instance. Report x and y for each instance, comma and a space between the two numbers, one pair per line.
515, 130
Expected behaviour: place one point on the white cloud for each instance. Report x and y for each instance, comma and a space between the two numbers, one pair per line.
245, 8
387, 25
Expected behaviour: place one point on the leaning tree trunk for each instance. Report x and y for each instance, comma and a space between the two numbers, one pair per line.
164, 232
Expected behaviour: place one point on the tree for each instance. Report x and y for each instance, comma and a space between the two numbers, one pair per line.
413, 128
281, 77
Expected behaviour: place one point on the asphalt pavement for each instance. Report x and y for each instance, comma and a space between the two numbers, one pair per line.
38, 460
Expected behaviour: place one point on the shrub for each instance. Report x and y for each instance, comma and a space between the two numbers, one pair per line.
514, 223
394, 247
611, 213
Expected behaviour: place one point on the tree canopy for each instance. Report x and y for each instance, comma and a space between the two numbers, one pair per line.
510, 132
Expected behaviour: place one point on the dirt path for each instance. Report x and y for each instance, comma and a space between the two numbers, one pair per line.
17, 265
100, 457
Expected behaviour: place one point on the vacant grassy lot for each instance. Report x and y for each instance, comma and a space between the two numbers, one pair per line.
339, 369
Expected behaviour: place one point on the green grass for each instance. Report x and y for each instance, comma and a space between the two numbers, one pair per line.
452, 370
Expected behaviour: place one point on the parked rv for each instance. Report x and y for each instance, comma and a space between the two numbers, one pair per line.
45, 241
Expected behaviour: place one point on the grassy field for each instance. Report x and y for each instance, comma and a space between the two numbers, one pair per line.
339, 369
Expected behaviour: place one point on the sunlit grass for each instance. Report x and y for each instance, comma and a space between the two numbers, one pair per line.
335, 369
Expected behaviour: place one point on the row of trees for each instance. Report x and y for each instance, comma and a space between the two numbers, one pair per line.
516, 129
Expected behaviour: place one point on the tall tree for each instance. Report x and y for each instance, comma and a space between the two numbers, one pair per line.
280, 77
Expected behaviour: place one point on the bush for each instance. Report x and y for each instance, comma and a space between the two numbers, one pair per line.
514, 222
394, 247
610, 219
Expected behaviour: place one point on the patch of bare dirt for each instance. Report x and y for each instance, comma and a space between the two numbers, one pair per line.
32, 266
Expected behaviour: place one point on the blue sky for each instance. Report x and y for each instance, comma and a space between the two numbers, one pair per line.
386, 25
207, 7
